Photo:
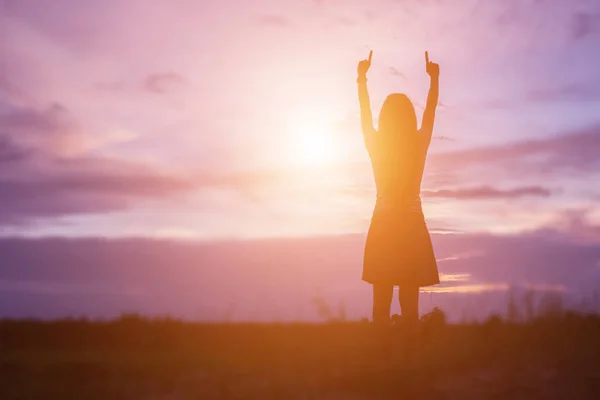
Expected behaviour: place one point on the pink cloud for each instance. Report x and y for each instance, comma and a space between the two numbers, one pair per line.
161, 83
486, 192
275, 20
198, 280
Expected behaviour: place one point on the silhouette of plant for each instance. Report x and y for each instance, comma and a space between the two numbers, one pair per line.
512, 314
551, 306
323, 309
434, 320
529, 304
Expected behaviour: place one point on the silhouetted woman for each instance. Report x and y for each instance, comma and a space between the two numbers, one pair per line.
398, 249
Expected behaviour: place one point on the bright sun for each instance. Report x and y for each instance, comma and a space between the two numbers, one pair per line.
313, 145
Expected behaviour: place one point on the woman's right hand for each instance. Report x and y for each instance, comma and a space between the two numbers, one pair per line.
432, 69
364, 65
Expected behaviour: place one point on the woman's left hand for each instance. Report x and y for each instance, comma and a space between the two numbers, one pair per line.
364, 65
433, 69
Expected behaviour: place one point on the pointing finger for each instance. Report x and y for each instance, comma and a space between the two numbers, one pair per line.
426, 57
370, 56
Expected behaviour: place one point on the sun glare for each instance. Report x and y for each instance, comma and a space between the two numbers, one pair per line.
313, 145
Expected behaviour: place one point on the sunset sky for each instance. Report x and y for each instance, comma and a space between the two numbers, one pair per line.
231, 122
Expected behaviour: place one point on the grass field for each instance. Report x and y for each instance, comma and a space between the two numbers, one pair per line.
136, 358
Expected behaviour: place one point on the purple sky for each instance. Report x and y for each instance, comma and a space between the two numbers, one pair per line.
202, 120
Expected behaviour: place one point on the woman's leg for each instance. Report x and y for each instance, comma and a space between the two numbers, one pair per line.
382, 302
409, 304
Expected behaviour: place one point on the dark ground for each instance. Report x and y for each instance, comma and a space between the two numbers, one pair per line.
133, 358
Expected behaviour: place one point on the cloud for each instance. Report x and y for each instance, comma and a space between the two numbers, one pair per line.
393, 71
571, 152
10, 90
95, 190
61, 288
157, 83
10, 153
47, 170
274, 20
486, 192
576, 224
348, 22
40, 275
583, 24
460, 257
573, 91
499, 104
454, 277
495, 287
50, 130
115, 86
162, 83
479, 288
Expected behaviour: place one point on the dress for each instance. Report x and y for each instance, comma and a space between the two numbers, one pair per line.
398, 248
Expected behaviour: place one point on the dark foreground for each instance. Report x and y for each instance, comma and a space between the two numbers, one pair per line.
139, 359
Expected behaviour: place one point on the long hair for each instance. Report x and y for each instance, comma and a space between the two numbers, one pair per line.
398, 131
398, 120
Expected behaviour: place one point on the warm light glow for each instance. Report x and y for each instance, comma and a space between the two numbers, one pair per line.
312, 145
475, 288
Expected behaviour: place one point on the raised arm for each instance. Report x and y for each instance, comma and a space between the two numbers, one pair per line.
433, 70
366, 118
